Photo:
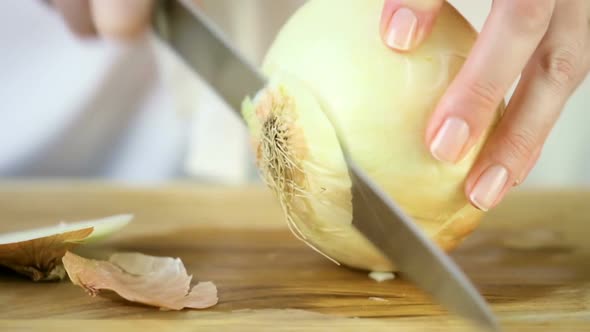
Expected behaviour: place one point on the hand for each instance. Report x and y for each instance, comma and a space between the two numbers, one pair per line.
116, 19
547, 41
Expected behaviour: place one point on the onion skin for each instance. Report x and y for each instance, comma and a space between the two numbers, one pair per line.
329, 60
40, 258
157, 281
37, 253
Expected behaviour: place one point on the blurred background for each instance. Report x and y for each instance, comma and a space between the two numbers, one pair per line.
97, 109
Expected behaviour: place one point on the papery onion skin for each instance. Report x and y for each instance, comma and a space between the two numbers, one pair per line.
329, 60
157, 281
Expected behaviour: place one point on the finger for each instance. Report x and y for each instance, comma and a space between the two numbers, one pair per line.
550, 77
118, 19
405, 24
528, 166
509, 37
77, 16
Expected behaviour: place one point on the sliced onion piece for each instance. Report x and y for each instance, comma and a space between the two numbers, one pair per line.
36, 253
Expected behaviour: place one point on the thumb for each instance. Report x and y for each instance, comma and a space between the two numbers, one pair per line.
118, 19
406, 23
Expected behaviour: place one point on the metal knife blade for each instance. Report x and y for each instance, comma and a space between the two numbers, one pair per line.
199, 42
383, 222
205, 49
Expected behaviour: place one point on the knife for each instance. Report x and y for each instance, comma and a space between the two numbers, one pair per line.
202, 46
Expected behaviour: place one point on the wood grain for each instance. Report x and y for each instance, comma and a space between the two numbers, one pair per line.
530, 259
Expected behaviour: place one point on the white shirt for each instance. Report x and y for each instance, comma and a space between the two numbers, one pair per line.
92, 108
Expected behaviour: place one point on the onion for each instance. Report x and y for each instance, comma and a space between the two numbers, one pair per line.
37, 253
329, 60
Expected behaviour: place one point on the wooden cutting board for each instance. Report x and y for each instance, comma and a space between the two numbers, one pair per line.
530, 259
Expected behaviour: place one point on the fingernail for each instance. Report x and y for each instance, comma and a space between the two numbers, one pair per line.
488, 187
402, 29
121, 19
450, 140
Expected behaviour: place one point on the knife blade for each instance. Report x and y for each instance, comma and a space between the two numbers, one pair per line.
201, 45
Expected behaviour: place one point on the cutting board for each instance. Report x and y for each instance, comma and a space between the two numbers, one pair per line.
530, 260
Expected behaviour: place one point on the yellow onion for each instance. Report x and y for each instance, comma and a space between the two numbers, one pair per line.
329, 60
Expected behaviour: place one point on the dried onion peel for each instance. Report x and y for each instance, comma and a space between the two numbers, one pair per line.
157, 281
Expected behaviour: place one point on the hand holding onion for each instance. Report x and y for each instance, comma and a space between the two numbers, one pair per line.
329, 60
547, 41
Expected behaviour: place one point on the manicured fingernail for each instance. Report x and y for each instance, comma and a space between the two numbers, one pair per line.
402, 29
450, 140
489, 185
121, 19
